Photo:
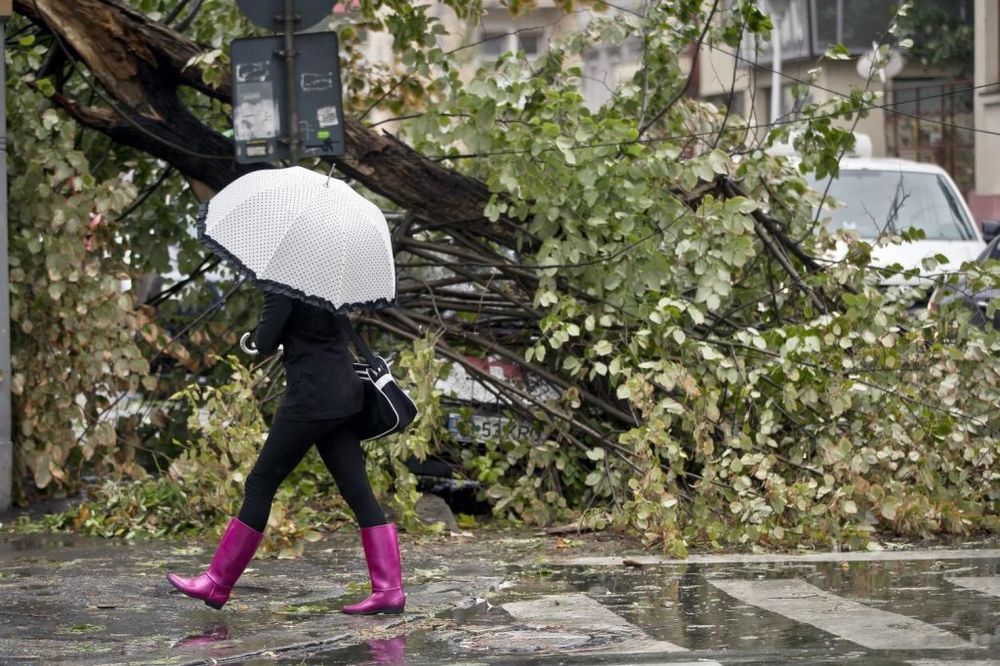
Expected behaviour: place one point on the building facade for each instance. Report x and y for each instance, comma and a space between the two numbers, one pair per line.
604, 67
922, 113
985, 199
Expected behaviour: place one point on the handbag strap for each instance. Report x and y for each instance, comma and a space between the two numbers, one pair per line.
359, 342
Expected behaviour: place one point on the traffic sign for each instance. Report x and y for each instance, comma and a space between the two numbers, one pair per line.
271, 13
261, 109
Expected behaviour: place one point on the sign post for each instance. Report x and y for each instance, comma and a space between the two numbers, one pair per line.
290, 57
287, 100
6, 444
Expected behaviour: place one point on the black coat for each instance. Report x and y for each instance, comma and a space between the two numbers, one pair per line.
319, 375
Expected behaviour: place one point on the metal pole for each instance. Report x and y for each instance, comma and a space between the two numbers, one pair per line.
779, 14
6, 445
290, 95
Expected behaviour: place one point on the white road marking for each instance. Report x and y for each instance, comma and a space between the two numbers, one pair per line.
986, 584
579, 613
879, 556
871, 627
964, 662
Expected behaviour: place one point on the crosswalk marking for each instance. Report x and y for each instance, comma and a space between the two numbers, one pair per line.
962, 662
578, 612
986, 584
871, 627
780, 558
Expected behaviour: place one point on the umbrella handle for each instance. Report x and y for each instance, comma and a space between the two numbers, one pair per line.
245, 347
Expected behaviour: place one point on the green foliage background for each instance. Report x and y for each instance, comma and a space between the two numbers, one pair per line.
773, 403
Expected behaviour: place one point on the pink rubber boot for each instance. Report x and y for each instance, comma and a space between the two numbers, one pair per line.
234, 553
381, 546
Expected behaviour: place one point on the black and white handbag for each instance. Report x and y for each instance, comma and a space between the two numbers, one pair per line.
387, 409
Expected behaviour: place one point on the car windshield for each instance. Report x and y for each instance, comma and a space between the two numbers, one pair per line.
877, 202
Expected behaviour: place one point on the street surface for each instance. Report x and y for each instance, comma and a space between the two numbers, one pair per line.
503, 598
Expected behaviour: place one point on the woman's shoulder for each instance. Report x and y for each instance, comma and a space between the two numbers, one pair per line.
305, 312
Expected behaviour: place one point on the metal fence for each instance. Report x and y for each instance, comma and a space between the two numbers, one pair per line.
933, 121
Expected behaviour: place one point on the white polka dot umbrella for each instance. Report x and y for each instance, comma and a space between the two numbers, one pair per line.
297, 232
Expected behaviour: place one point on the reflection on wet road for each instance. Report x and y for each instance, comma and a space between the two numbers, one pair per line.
926, 612
69, 600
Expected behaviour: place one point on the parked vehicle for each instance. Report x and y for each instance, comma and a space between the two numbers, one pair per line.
879, 197
875, 197
978, 301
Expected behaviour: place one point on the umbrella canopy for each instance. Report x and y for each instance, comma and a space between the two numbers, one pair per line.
297, 232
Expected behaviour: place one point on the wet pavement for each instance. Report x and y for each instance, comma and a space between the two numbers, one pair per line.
501, 597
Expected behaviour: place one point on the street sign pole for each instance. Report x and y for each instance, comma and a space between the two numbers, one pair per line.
6, 445
287, 93
293, 109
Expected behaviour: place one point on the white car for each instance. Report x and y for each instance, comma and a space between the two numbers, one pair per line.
878, 197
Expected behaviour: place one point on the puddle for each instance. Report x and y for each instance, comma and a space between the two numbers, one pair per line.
657, 610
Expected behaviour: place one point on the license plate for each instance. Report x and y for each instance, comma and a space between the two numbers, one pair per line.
491, 427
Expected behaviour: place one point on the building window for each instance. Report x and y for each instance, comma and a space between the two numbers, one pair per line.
794, 32
494, 43
531, 42
853, 23
857, 23
810, 27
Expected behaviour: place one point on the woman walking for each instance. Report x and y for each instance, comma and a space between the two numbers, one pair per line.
322, 395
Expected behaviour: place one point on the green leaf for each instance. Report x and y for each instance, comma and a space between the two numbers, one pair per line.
837, 52
46, 87
740, 205
603, 348
719, 162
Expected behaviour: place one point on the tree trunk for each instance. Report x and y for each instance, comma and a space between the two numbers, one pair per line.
141, 63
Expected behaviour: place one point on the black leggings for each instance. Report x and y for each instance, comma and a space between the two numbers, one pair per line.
287, 443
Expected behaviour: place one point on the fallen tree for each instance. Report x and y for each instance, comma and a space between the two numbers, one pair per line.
716, 381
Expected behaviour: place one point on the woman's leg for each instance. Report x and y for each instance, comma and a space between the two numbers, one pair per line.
287, 443
341, 452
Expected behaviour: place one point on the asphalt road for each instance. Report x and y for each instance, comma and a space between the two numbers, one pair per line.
503, 598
